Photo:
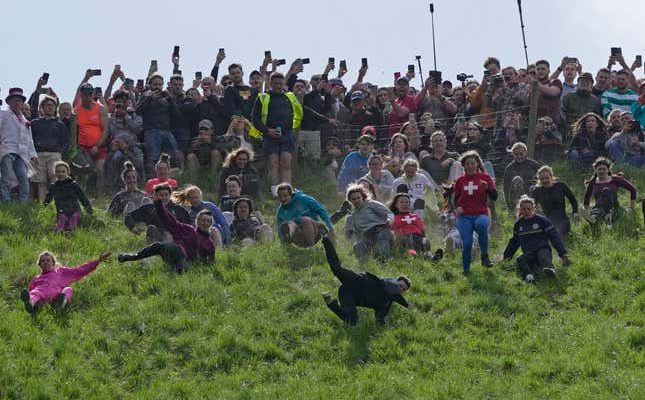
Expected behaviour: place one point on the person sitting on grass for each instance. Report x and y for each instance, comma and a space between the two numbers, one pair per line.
162, 170
368, 225
192, 196
409, 229
519, 175
238, 162
603, 187
190, 243
66, 194
299, 217
52, 285
355, 163
533, 232
362, 289
415, 184
202, 151
233, 192
248, 227
130, 198
147, 215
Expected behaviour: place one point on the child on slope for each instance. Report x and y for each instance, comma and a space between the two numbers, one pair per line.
52, 285
66, 194
409, 229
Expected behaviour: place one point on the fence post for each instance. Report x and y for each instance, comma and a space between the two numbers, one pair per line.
533, 101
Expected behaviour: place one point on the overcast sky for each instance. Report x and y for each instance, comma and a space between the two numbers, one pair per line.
67, 37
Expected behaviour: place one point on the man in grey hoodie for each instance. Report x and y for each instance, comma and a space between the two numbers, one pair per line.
368, 225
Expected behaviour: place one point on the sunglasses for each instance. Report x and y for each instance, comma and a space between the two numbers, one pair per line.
229, 83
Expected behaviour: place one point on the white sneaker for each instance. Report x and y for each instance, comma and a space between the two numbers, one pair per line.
530, 278
549, 272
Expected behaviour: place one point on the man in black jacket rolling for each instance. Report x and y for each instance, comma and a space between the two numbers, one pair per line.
362, 289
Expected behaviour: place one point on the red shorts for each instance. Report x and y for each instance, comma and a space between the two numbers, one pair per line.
100, 155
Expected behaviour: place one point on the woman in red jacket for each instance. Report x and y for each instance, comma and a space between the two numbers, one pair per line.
190, 242
409, 229
470, 197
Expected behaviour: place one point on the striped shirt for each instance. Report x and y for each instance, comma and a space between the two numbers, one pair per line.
612, 99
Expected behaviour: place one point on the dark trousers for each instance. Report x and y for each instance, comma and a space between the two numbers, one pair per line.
346, 310
529, 263
605, 203
415, 242
171, 253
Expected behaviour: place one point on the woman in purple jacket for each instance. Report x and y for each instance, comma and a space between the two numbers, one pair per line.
603, 187
190, 242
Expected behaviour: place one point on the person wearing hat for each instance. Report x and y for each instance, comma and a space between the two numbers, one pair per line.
202, 149
582, 101
360, 116
355, 163
16, 147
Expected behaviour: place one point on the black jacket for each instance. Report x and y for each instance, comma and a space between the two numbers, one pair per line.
532, 235
315, 104
239, 100
250, 180
185, 119
51, 135
212, 109
147, 214
66, 195
157, 111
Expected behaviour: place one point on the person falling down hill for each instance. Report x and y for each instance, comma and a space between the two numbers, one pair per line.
362, 289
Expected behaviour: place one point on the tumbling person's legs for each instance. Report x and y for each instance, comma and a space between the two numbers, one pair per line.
169, 252
526, 264
382, 243
344, 275
466, 227
545, 260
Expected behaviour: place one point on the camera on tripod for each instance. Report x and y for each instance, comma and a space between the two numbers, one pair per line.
462, 77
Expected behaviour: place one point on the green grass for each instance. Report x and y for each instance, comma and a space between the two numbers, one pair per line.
254, 326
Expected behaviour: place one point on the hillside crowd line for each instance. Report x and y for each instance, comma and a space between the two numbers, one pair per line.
387, 148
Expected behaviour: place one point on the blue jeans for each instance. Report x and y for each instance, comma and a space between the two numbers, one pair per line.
9, 165
580, 160
154, 140
616, 152
466, 225
636, 161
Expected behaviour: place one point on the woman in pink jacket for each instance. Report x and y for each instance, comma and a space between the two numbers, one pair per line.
52, 285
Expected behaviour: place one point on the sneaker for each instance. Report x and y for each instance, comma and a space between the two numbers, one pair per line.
346, 207
486, 261
549, 272
589, 218
327, 297
24, 296
438, 255
530, 278
123, 257
323, 230
285, 232
60, 301
412, 252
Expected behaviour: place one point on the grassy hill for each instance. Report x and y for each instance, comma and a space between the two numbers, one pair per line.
254, 326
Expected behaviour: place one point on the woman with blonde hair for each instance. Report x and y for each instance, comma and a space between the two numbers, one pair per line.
550, 196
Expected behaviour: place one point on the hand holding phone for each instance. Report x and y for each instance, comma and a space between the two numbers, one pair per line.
44, 79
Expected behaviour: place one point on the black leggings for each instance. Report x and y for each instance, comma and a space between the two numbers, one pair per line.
171, 253
346, 310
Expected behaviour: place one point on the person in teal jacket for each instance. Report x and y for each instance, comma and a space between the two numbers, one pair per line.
301, 219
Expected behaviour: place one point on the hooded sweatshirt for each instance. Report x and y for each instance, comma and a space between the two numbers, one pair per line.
303, 205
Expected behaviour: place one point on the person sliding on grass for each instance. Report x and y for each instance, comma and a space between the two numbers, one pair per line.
301, 219
52, 285
190, 242
409, 229
603, 186
362, 289
533, 232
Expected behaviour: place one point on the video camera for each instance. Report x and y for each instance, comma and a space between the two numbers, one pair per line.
462, 77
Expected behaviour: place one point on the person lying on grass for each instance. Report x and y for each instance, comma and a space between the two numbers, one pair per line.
362, 289
52, 285
533, 232
189, 242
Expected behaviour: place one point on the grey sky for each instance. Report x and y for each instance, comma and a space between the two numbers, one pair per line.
65, 38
